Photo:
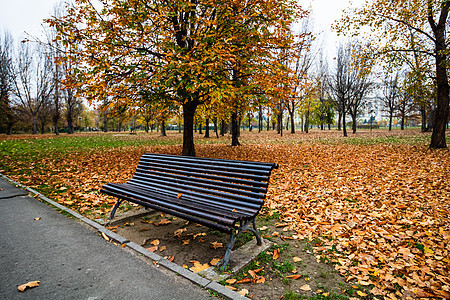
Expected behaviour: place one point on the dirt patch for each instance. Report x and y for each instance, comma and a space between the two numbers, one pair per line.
288, 269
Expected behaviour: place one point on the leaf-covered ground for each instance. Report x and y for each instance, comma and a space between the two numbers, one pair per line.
379, 202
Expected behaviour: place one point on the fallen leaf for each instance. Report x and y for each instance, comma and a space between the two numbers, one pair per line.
105, 236
37, 219
198, 267
276, 254
178, 232
305, 287
216, 245
30, 284
186, 242
252, 273
243, 292
260, 279
155, 242
214, 261
245, 280
162, 222
162, 248
231, 281
185, 266
263, 228
258, 270
202, 240
152, 249
179, 195
231, 287
172, 258
297, 259
362, 294
296, 276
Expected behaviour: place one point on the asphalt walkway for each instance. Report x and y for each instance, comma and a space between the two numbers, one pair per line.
72, 261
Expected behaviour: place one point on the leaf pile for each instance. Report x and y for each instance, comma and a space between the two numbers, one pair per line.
378, 211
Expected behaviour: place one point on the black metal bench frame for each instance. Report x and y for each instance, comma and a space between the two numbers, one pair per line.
222, 194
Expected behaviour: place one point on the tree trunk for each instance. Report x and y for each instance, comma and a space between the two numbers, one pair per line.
339, 121
188, 132
200, 125
292, 122
306, 125
234, 130
354, 122
70, 124
222, 128
215, 127
390, 121
105, 122
34, 122
207, 128
344, 126
442, 111
163, 128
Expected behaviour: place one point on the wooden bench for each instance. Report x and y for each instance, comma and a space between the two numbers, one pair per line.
225, 195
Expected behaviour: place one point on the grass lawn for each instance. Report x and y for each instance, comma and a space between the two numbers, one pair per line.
376, 204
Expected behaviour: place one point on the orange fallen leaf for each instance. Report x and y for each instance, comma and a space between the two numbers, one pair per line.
231, 281
179, 195
30, 284
243, 292
258, 270
178, 232
155, 242
162, 248
231, 287
296, 276
152, 249
37, 219
252, 273
214, 261
297, 259
245, 280
172, 258
216, 245
276, 254
186, 242
260, 279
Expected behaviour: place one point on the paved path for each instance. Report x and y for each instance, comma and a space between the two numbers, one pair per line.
71, 261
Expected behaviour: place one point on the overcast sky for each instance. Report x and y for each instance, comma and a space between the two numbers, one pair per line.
20, 16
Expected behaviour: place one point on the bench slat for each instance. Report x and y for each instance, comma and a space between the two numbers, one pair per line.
206, 160
220, 216
198, 169
198, 182
206, 176
222, 167
216, 181
164, 209
213, 201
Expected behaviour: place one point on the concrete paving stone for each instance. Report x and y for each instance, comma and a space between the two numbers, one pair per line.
197, 279
117, 238
143, 251
224, 292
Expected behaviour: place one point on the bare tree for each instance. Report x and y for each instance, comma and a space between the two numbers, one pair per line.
390, 96
32, 81
8, 114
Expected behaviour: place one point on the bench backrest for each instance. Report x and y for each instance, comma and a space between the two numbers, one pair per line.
240, 186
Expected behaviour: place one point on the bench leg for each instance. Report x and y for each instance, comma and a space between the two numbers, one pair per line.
235, 234
113, 212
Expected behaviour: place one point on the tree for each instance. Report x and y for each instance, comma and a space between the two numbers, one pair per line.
427, 18
32, 82
391, 93
8, 115
184, 47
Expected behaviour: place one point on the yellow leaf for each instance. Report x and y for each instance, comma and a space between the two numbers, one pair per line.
30, 284
297, 259
186, 242
162, 248
179, 195
105, 236
276, 254
198, 267
37, 219
178, 232
214, 261
155, 242
361, 293
216, 245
